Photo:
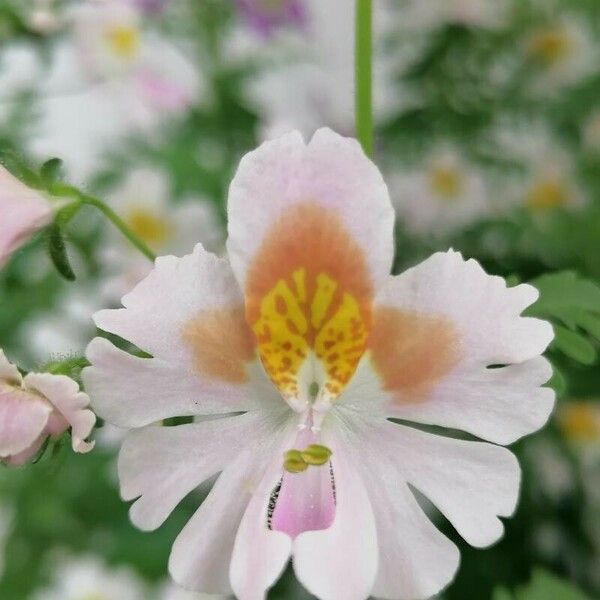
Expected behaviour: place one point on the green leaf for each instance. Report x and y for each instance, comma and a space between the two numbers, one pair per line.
574, 345
502, 594
58, 252
51, 170
543, 586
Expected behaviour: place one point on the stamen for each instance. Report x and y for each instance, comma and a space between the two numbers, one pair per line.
316, 454
293, 462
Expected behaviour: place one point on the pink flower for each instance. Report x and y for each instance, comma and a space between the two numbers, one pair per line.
37, 406
296, 350
23, 212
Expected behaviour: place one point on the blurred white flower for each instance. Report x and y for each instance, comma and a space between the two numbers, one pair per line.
171, 591
311, 82
430, 14
591, 132
562, 53
441, 197
88, 578
143, 201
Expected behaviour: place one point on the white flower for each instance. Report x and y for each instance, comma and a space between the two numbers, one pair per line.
143, 202
305, 346
591, 132
561, 52
88, 578
170, 591
37, 406
445, 195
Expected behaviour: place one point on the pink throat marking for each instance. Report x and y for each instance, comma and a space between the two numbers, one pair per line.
305, 501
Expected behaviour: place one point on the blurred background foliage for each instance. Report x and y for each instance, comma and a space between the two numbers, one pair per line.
488, 132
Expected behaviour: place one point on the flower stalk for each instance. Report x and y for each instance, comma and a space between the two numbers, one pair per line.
363, 52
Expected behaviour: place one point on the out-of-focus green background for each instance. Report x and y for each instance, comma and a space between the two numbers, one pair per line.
487, 120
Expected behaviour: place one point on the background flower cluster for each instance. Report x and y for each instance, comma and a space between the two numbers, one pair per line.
487, 118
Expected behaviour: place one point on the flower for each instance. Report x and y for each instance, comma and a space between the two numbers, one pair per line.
88, 578
446, 195
267, 15
304, 346
142, 201
37, 406
170, 591
579, 421
24, 212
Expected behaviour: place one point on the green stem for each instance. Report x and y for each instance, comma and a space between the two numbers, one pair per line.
114, 218
363, 51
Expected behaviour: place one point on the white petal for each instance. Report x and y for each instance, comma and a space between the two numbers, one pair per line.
201, 556
415, 560
161, 465
161, 305
341, 562
64, 395
472, 483
129, 391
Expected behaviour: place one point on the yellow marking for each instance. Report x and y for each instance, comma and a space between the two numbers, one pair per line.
322, 299
123, 40
289, 328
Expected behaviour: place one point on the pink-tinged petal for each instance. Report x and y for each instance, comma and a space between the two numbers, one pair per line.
129, 391
341, 561
332, 173
8, 371
21, 458
188, 312
306, 500
201, 555
472, 483
70, 403
23, 212
161, 465
23, 417
450, 348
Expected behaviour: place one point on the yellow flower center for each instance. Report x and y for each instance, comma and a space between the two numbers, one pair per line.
549, 192
579, 421
446, 182
153, 229
123, 40
551, 46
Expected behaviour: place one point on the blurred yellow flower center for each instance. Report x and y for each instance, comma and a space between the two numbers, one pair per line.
152, 228
579, 421
547, 193
446, 182
551, 45
123, 40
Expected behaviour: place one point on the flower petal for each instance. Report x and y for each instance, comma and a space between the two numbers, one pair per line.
441, 333
161, 465
202, 553
472, 483
332, 172
24, 211
23, 417
129, 391
341, 561
64, 395
189, 312
8, 371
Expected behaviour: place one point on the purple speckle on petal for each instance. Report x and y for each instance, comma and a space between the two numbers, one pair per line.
265, 16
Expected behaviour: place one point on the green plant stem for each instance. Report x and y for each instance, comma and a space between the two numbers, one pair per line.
363, 51
112, 216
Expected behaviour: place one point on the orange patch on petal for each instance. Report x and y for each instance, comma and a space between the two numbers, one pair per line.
308, 290
222, 343
411, 351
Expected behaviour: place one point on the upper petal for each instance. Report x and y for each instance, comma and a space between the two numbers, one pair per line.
450, 348
8, 371
341, 561
310, 241
24, 211
71, 404
330, 171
